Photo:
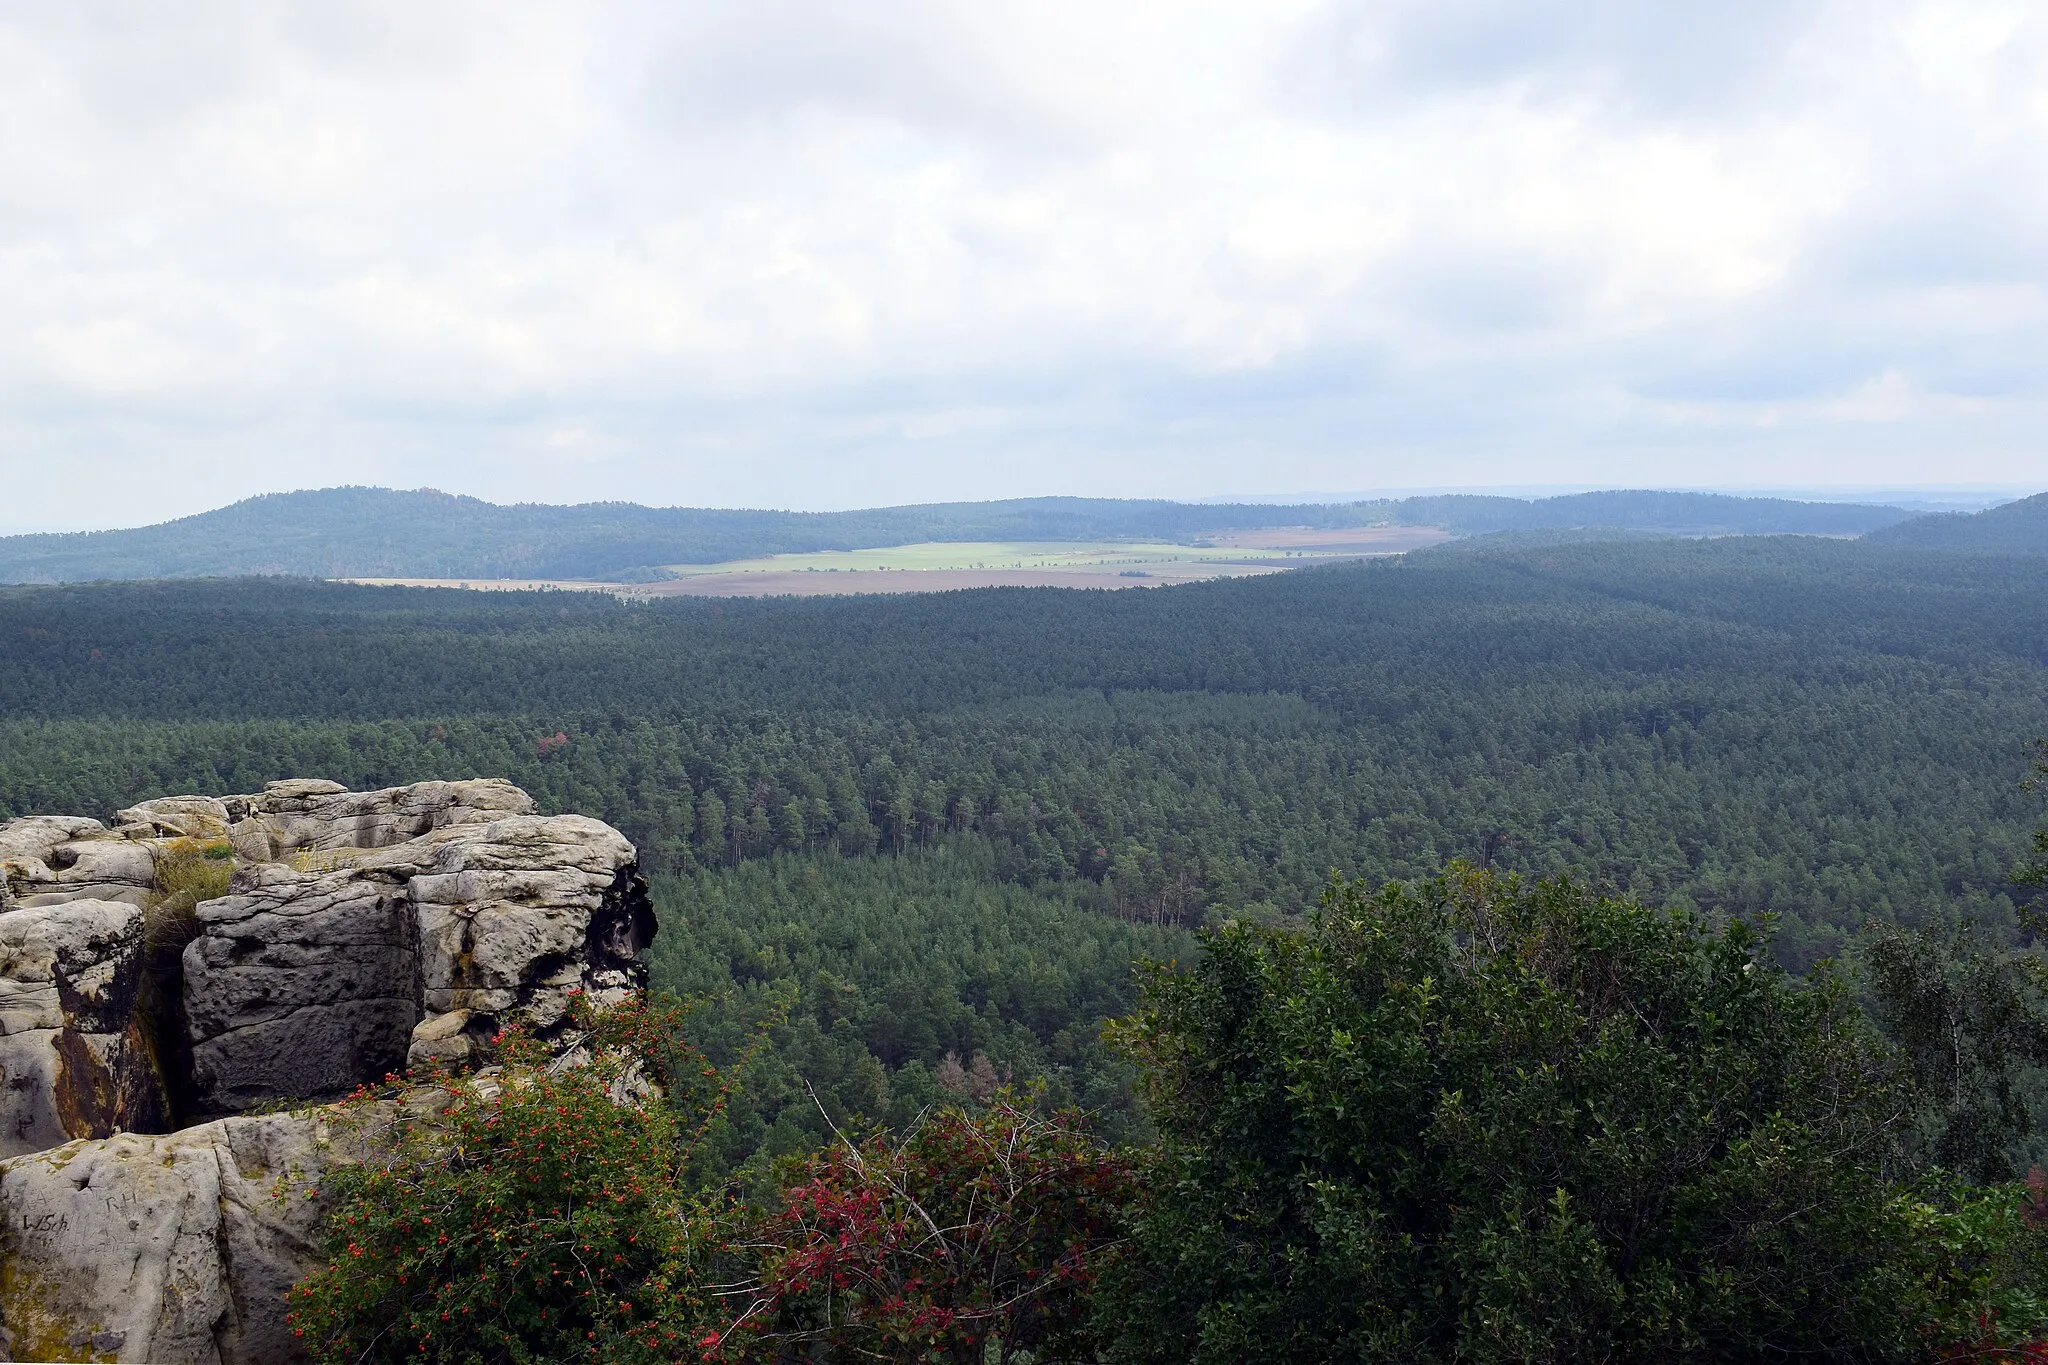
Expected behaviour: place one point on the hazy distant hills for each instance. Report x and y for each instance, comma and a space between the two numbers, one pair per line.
384, 533
1691, 514
2016, 528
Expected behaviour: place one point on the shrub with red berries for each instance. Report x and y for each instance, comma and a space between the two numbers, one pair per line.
975, 1236
522, 1215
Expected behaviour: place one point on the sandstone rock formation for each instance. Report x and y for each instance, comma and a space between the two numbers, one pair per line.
359, 933
73, 1060
362, 931
309, 978
49, 859
170, 1249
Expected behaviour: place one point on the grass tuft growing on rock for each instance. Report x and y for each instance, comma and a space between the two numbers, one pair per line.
188, 872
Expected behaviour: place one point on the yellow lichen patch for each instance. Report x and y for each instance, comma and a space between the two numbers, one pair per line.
29, 1305
322, 860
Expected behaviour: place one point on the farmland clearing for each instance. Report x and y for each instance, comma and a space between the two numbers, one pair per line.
939, 566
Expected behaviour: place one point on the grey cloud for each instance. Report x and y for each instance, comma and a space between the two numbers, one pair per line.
1773, 369
1655, 58
1482, 291
762, 63
1976, 231
139, 68
808, 253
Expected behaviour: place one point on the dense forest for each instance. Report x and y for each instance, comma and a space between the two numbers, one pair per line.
1048, 783
2014, 528
383, 533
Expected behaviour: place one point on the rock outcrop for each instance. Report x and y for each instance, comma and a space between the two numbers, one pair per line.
310, 815
74, 1060
173, 1249
50, 859
208, 954
361, 933
309, 978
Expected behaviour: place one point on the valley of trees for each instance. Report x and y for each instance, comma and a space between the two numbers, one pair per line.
1825, 731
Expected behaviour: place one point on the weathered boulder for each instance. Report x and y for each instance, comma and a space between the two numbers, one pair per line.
313, 976
309, 814
173, 1249
49, 859
73, 1061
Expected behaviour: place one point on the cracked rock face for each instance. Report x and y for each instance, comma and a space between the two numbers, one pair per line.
73, 1061
173, 1249
308, 979
361, 933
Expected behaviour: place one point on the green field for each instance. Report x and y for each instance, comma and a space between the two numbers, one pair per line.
1072, 555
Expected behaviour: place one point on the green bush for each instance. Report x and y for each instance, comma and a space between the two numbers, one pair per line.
1477, 1119
1471, 1119
531, 1217
1970, 1020
1984, 1250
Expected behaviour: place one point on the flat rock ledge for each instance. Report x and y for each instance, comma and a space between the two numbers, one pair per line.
349, 935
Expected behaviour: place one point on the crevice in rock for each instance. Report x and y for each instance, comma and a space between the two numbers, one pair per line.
225, 1328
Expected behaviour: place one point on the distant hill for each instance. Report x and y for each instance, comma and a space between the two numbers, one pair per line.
385, 533
2017, 528
1691, 514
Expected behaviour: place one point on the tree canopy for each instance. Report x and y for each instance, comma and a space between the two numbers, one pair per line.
1482, 1119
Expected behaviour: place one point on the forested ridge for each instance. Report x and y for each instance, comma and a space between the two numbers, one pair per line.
2014, 528
1820, 729
387, 533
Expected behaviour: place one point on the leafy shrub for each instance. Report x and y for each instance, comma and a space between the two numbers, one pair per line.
1986, 1249
1477, 1119
976, 1236
526, 1216
529, 1215
1971, 1021
1472, 1119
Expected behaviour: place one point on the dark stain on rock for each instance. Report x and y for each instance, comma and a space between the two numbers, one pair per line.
83, 1090
623, 927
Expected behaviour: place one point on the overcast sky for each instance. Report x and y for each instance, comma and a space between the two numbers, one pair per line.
811, 254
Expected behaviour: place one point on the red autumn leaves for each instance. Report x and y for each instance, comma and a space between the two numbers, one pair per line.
974, 1226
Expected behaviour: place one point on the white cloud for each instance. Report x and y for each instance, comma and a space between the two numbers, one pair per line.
789, 252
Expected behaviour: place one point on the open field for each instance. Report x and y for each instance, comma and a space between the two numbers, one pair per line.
940, 566
837, 583
490, 584
944, 565
1327, 541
